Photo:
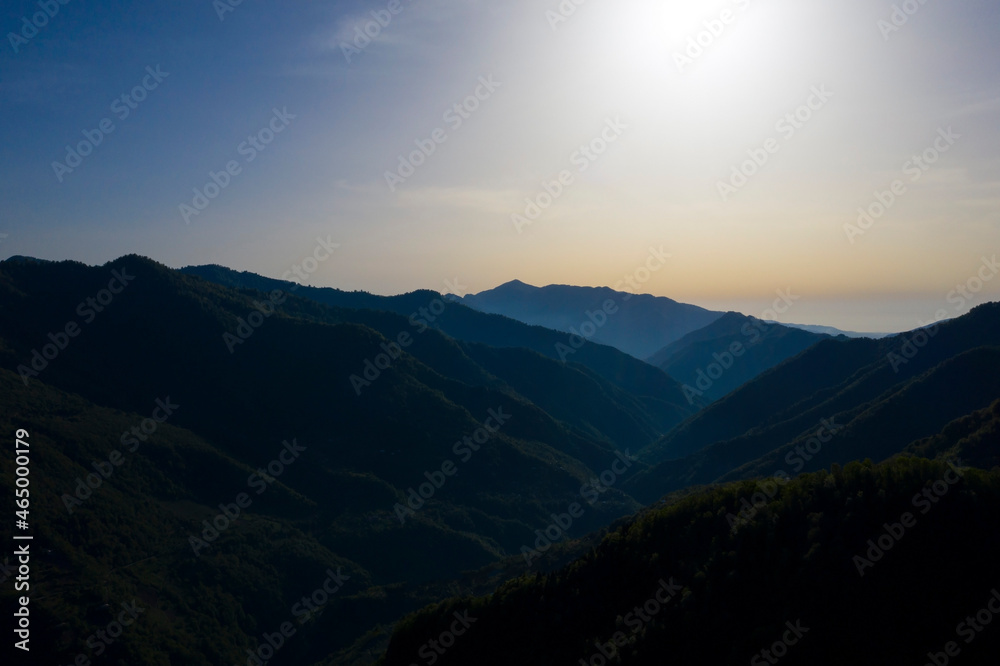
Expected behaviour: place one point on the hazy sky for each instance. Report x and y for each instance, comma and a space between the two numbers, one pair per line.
663, 132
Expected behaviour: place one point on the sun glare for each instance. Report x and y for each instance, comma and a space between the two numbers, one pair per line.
692, 47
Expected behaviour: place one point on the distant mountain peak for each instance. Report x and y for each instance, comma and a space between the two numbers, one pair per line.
21, 259
517, 284
637, 324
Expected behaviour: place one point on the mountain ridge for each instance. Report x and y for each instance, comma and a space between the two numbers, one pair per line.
637, 324
847, 377
163, 336
719, 358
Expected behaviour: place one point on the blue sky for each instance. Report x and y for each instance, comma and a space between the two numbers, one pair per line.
664, 175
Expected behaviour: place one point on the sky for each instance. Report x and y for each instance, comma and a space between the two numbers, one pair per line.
845, 152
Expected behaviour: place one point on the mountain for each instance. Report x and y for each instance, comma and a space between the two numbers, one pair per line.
973, 438
803, 579
765, 550
639, 325
880, 394
423, 456
729, 352
127, 539
661, 397
219, 453
834, 332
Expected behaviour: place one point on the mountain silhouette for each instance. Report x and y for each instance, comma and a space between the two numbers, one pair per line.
729, 352
639, 325
210, 446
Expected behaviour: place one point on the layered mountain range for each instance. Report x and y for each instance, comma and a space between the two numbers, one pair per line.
216, 446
